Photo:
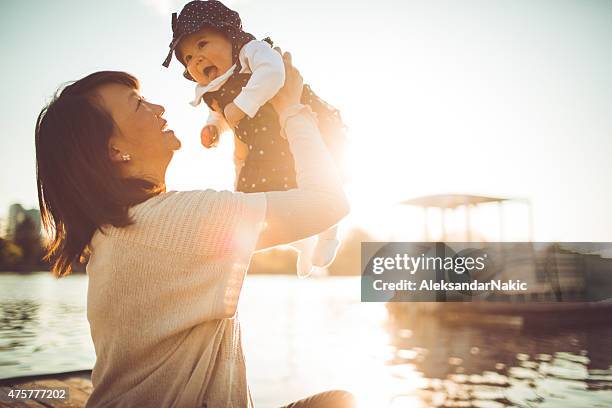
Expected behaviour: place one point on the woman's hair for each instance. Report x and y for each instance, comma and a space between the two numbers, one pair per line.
80, 189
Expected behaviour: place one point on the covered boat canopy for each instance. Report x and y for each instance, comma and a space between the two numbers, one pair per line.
468, 201
451, 200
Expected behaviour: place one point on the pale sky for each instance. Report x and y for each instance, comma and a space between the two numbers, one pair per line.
508, 98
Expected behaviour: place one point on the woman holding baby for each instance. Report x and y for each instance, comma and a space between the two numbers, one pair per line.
166, 268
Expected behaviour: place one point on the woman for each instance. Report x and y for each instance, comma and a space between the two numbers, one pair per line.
166, 268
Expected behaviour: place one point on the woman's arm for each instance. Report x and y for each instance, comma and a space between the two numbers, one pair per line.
241, 151
319, 200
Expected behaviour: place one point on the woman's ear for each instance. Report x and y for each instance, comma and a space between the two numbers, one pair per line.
117, 156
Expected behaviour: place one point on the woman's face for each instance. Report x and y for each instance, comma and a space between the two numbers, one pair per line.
141, 131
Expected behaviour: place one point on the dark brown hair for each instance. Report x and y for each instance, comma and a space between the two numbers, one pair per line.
79, 187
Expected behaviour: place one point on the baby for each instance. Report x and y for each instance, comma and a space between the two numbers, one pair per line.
236, 76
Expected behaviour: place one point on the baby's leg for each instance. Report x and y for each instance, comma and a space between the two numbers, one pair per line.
305, 249
327, 248
333, 132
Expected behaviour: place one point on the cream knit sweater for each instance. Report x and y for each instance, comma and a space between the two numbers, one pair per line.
163, 292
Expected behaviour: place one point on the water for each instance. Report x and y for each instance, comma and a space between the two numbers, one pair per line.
43, 326
306, 336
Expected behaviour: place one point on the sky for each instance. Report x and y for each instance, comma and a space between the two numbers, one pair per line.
492, 97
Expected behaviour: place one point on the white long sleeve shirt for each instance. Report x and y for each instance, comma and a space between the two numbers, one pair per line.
267, 77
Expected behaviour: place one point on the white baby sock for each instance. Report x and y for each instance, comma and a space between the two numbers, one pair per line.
305, 250
326, 249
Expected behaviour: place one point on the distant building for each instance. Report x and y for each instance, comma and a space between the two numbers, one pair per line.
16, 216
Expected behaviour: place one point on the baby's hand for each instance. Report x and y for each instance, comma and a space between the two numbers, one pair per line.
209, 136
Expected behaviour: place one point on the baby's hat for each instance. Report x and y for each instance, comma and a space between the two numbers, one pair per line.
199, 14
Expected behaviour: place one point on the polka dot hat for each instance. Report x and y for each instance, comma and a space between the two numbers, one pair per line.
199, 14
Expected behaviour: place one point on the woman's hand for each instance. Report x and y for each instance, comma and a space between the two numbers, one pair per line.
291, 92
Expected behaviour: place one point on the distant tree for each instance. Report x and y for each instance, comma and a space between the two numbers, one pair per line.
275, 261
27, 237
10, 255
283, 261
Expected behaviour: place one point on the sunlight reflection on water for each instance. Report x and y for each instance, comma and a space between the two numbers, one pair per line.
325, 338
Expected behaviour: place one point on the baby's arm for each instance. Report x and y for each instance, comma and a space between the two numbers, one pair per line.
215, 125
267, 78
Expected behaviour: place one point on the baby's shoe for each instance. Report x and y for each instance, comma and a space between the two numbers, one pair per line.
325, 252
304, 267
305, 252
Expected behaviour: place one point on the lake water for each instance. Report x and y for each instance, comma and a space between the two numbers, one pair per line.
306, 336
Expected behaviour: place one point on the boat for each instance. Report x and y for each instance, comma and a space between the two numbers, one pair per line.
568, 283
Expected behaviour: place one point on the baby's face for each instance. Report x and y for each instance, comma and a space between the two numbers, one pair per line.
207, 54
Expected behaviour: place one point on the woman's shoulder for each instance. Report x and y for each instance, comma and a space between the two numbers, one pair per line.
170, 217
198, 221
196, 207
171, 201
